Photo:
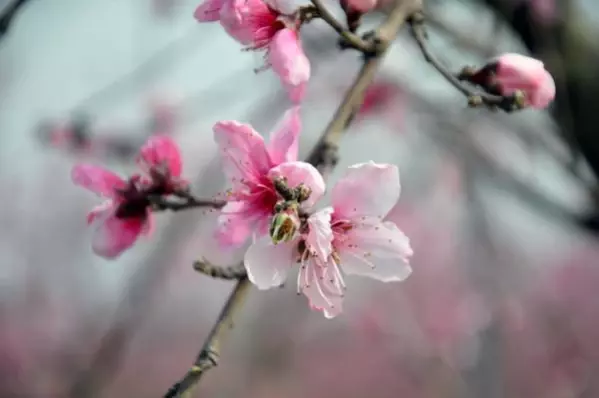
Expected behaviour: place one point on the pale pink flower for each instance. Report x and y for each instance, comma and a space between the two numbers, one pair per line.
510, 72
126, 214
250, 164
351, 237
260, 26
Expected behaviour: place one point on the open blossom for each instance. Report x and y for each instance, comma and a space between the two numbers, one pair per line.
251, 166
126, 215
261, 26
351, 236
510, 73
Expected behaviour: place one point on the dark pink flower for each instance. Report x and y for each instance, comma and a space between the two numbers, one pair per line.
250, 165
260, 26
126, 215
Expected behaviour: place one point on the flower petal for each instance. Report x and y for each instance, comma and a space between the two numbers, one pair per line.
367, 189
243, 151
160, 151
323, 287
301, 172
283, 146
115, 235
377, 250
97, 179
288, 60
101, 211
208, 11
234, 224
320, 235
267, 264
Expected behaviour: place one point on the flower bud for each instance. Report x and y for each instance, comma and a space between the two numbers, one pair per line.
510, 73
284, 225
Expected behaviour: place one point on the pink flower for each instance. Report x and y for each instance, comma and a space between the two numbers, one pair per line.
350, 236
259, 26
126, 213
509, 73
251, 166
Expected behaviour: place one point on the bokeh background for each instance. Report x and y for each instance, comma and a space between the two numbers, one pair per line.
501, 210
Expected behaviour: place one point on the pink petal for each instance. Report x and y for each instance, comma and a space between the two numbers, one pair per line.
243, 151
97, 179
283, 146
367, 189
322, 286
359, 5
301, 172
115, 235
267, 264
377, 250
235, 224
101, 211
320, 235
160, 150
208, 11
287, 59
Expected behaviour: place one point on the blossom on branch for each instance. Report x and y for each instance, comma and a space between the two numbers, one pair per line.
259, 25
350, 237
252, 166
126, 213
513, 74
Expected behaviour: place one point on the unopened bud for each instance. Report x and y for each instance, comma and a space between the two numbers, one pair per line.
284, 225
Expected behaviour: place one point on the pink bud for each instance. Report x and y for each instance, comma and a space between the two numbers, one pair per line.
517, 72
360, 6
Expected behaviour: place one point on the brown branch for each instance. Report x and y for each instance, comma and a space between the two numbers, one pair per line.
322, 156
233, 272
161, 203
509, 103
349, 39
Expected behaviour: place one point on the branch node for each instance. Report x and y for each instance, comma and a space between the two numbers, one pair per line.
214, 271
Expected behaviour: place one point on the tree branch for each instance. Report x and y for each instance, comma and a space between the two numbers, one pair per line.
233, 272
9, 14
475, 98
161, 203
323, 155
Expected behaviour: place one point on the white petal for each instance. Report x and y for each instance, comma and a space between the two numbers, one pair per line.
320, 235
367, 189
377, 250
267, 264
323, 287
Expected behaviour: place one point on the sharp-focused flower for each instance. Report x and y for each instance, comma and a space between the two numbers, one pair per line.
126, 213
261, 26
511, 73
351, 236
251, 167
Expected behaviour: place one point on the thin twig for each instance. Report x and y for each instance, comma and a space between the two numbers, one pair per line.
161, 203
232, 272
321, 155
509, 103
350, 39
9, 14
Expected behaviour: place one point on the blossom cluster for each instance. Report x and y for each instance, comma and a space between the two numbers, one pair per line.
273, 197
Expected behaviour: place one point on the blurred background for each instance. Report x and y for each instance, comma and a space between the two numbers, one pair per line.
502, 209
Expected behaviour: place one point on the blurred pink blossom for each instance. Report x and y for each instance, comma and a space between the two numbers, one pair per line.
509, 73
248, 163
126, 213
261, 26
350, 235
